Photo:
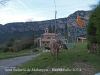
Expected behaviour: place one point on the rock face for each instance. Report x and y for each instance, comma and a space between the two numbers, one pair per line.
73, 27
15, 29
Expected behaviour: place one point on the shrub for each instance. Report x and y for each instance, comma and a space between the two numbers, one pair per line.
5, 49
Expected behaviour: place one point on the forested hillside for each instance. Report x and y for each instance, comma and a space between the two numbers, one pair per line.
22, 29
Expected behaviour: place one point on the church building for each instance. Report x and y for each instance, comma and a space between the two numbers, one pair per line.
45, 40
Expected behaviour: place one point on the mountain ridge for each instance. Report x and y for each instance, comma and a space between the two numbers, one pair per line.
21, 29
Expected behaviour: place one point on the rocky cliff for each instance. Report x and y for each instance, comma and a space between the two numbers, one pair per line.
20, 29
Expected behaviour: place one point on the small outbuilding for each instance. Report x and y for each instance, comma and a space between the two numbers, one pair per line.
81, 39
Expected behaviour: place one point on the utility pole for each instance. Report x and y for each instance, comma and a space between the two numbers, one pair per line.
55, 18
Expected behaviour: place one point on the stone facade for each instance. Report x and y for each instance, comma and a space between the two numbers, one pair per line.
45, 40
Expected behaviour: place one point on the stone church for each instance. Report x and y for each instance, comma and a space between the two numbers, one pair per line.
45, 40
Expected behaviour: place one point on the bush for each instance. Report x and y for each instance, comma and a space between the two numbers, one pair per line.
5, 49
98, 48
87, 46
0, 49
26, 46
22, 44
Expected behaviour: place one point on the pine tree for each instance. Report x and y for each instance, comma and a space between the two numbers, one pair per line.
50, 29
66, 31
53, 29
33, 41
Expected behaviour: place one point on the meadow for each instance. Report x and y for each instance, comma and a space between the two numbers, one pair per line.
75, 61
9, 54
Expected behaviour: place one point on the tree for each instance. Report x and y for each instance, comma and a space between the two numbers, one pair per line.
53, 29
32, 41
66, 31
3, 2
93, 30
93, 6
10, 42
50, 29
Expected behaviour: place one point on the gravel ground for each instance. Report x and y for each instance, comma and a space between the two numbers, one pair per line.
8, 64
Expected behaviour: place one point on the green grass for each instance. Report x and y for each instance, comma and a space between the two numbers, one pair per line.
78, 58
5, 55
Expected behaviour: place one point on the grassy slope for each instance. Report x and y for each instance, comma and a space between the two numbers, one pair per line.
5, 55
77, 57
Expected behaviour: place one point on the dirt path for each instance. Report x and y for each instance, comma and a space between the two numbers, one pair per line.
7, 64
85, 68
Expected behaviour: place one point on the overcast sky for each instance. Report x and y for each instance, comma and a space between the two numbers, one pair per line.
39, 10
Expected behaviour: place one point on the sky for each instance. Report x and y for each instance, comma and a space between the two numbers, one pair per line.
39, 10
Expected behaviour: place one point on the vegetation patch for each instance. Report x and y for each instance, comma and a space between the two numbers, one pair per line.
76, 61
5, 55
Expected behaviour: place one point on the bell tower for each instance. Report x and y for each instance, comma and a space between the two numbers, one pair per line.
46, 30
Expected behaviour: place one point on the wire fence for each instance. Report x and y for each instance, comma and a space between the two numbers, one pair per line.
70, 39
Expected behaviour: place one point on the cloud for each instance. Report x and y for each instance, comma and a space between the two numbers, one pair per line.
6, 18
29, 19
24, 5
38, 10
